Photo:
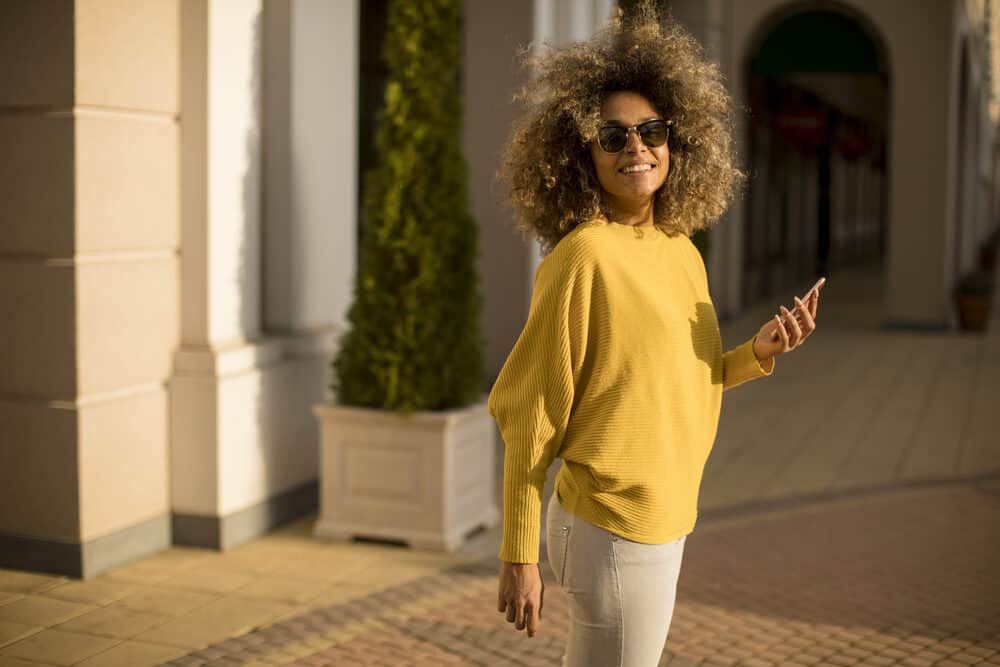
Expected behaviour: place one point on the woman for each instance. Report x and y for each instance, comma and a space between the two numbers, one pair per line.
623, 151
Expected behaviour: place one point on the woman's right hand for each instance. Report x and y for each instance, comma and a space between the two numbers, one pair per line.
520, 594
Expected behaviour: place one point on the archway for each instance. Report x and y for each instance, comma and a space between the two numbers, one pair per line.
817, 88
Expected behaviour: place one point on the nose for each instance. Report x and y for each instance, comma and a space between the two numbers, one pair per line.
633, 142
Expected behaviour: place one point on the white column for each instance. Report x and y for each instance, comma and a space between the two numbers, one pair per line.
311, 157
246, 373
220, 232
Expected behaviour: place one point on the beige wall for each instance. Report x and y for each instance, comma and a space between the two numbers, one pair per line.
88, 259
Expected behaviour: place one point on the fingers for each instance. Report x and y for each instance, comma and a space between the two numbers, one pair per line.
541, 596
522, 617
808, 323
814, 303
782, 333
793, 329
532, 618
520, 599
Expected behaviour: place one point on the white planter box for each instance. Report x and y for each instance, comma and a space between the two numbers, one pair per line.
427, 478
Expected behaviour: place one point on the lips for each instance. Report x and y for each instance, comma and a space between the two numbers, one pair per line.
637, 168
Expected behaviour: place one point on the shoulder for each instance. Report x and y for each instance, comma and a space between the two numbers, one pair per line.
694, 259
573, 261
583, 243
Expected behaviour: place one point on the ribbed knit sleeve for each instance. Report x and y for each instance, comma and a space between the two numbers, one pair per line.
740, 365
533, 394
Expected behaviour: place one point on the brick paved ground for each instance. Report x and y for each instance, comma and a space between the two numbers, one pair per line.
909, 578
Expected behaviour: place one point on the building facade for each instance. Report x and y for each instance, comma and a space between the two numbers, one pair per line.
178, 233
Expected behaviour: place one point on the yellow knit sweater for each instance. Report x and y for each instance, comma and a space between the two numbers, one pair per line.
619, 371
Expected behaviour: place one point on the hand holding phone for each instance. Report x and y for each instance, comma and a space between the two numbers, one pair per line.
805, 299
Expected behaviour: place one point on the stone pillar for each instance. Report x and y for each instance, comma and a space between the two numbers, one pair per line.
244, 443
923, 169
88, 280
311, 156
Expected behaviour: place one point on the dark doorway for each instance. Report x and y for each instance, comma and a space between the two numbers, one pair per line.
817, 91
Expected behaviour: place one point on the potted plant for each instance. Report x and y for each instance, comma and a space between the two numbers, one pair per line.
407, 447
973, 295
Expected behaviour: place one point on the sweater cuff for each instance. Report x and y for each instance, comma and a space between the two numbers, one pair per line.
522, 507
521, 526
741, 365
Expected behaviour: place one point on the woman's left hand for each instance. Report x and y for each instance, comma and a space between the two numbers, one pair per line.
788, 331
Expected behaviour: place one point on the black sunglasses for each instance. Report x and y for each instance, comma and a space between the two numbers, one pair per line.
614, 138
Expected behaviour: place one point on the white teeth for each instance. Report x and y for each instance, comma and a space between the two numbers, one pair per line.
631, 169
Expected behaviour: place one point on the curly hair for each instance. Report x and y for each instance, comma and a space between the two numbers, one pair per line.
547, 168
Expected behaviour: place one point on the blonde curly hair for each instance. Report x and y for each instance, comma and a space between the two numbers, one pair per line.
547, 168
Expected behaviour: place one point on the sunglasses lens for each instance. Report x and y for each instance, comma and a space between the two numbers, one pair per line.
612, 138
653, 133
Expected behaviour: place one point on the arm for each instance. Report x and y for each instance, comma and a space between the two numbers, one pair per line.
533, 395
742, 364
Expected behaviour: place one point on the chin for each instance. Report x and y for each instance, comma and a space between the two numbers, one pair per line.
637, 193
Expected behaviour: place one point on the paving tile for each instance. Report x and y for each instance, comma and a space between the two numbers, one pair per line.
16, 581
159, 567
981, 651
9, 661
206, 581
281, 589
6, 597
133, 654
12, 632
214, 622
116, 622
93, 591
42, 611
58, 647
166, 601
877, 661
913, 661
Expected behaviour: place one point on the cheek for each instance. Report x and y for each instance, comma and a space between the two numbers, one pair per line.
604, 167
664, 160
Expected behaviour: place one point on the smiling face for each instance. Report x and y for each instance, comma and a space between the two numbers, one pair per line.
631, 176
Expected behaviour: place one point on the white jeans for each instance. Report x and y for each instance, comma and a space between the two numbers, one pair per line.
620, 593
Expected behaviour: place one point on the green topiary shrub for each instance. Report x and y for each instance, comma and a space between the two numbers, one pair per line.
414, 338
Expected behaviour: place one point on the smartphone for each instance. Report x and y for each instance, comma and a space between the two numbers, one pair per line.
819, 283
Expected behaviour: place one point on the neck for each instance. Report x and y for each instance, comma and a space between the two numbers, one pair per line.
636, 214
